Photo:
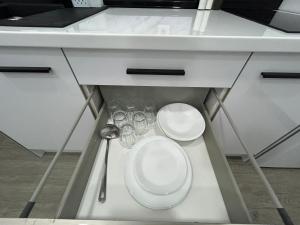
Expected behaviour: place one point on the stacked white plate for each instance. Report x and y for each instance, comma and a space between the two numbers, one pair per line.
181, 122
158, 173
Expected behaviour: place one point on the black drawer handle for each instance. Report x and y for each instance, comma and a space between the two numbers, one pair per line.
20, 69
280, 75
155, 72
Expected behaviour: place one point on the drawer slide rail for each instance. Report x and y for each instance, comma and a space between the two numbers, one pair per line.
30, 204
281, 210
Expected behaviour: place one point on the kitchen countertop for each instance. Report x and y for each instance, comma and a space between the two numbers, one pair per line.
157, 29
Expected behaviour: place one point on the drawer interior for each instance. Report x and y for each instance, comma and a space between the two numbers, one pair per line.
158, 96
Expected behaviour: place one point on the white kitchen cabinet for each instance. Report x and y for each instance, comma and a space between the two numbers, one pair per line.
38, 109
285, 155
263, 109
202, 69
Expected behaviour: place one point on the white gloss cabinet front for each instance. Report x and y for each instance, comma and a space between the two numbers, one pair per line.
38, 109
263, 109
202, 69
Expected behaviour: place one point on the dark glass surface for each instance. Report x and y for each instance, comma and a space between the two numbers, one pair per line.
264, 12
42, 13
185, 4
53, 18
284, 21
66, 3
251, 4
288, 22
23, 10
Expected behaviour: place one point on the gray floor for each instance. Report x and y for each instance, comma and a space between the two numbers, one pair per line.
286, 183
20, 172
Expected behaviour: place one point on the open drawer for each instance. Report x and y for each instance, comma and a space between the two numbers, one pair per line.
72, 199
74, 196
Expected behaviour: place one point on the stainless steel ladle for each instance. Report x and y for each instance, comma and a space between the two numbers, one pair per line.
108, 132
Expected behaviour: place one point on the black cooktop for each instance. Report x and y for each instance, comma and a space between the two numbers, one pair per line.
42, 13
272, 13
182, 4
285, 21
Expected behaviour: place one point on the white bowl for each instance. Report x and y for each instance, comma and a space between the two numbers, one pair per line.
158, 173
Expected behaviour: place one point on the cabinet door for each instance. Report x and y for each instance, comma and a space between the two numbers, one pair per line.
38, 109
263, 109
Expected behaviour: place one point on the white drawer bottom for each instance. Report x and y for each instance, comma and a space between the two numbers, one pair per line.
204, 202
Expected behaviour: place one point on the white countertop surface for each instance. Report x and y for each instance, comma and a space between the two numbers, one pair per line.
161, 29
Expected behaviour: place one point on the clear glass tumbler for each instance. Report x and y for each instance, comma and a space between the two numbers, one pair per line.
130, 109
113, 107
150, 115
127, 135
120, 118
140, 123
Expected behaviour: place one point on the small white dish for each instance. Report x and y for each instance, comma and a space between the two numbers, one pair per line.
181, 122
158, 173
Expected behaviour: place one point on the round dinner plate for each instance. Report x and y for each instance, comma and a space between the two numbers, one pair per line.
181, 121
158, 173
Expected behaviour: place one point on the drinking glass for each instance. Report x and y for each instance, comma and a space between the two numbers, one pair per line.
127, 135
112, 108
150, 115
120, 118
130, 109
140, 123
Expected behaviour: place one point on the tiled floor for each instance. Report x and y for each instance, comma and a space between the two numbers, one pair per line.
20, 172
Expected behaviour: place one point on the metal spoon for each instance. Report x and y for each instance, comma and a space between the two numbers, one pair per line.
108, 132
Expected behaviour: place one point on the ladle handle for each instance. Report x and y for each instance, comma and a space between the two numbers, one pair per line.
102, 194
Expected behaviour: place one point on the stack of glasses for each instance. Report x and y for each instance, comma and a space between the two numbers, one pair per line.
132, 121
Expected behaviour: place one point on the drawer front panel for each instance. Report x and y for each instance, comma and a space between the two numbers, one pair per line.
263, 106
156, 68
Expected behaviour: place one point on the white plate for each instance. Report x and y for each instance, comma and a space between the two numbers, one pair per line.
181, 121
158, 173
